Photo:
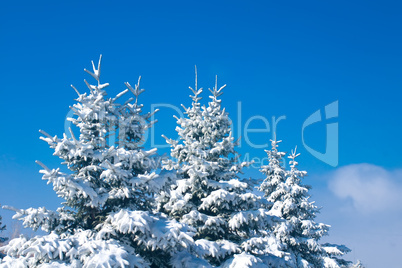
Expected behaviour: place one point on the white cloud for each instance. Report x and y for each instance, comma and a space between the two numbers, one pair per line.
363, 204
370, 188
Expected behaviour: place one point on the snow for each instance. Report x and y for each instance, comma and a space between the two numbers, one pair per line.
244, 260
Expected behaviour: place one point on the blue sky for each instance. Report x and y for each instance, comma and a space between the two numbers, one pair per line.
278, 58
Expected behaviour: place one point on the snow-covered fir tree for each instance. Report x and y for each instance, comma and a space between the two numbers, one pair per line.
106, 219
2, 228
121, 210
209, 195
2, 239
299, 233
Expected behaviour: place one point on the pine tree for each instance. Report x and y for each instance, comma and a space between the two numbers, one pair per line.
209, 195
107, 218
2, 239
299, 233
2, 228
